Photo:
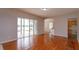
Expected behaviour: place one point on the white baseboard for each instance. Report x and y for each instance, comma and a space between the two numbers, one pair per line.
78, 41
1, 47
8, 40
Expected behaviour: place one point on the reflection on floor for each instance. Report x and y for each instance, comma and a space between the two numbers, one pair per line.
10, 45
44, 42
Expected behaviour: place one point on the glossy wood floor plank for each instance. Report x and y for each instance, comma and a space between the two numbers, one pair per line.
44, 42
10, 45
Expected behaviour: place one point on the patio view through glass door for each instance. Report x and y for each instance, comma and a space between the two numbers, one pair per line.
25, 32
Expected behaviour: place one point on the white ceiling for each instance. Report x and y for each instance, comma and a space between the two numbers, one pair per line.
51, 12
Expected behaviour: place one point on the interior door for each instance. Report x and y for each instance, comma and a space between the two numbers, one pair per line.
72, 33
72, 28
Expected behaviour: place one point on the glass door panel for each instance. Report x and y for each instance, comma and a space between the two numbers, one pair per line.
26, 34
19, 34
26, 28
31, 27
19, 22
31, 31
26, 43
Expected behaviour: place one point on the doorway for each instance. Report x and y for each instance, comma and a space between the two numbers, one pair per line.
51, 29
72, 28
49, 26
72, 33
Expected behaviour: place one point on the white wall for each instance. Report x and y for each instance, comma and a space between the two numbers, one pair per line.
40, 27
61, 24
8, 23
8, 26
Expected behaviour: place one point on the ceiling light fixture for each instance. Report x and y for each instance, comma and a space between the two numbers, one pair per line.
44, 9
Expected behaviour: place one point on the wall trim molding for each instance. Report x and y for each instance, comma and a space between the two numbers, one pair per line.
78, 41
9, 40
1, 47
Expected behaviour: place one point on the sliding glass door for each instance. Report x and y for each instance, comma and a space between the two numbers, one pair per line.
31, 31
25, 32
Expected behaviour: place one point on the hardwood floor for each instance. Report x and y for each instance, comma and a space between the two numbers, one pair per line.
54, 43
44, 42
10, 45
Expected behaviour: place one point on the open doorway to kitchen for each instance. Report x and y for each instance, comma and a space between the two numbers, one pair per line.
49, 27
